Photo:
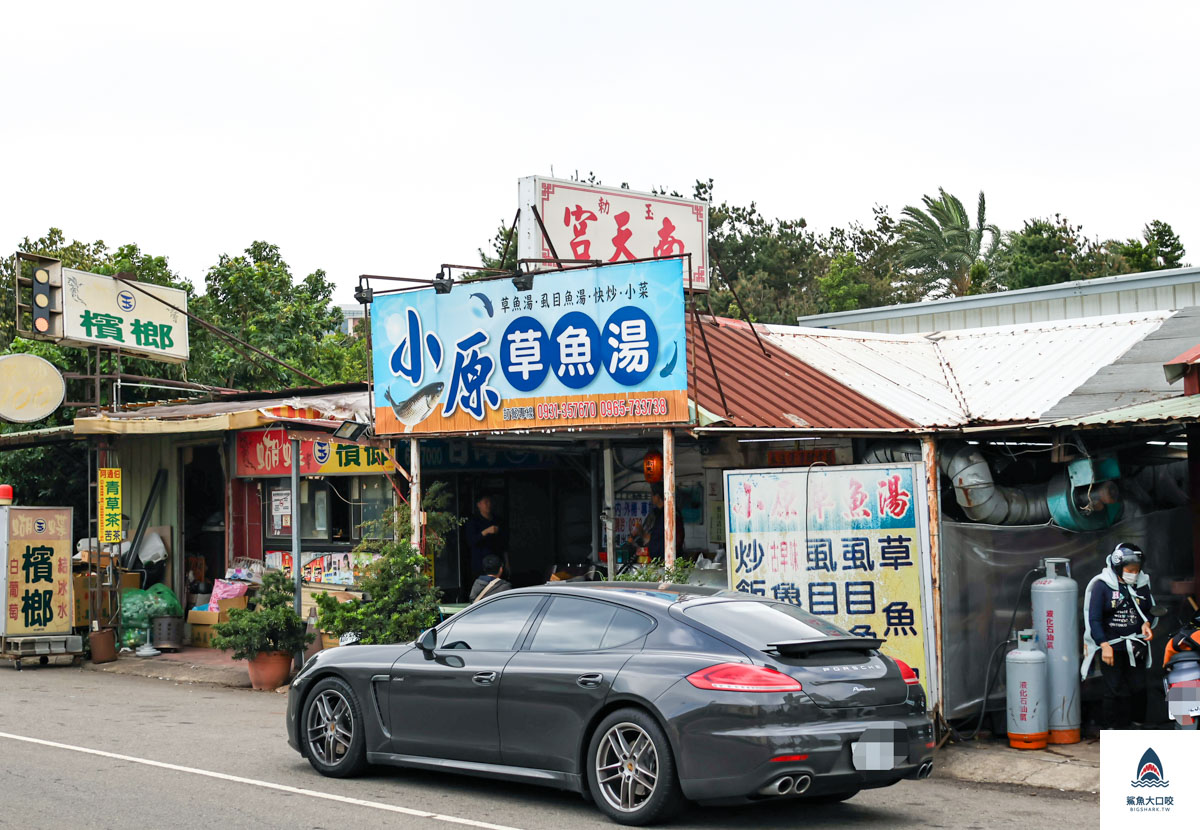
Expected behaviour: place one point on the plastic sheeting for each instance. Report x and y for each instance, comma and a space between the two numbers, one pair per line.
982, 566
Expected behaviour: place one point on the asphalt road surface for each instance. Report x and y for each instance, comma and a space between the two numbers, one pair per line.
83, 749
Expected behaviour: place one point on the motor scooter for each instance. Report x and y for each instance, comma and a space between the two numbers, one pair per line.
1182, 681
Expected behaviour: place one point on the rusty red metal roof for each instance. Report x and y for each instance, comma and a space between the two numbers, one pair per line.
772, 389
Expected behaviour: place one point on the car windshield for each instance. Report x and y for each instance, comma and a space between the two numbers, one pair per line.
759, 624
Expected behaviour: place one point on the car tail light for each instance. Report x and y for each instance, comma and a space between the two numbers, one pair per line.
910, 676
741, 677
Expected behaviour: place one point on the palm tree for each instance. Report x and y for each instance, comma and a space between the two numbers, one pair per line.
949, 255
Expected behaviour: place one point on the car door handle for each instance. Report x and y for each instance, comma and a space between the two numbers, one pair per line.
589, 681
484, 678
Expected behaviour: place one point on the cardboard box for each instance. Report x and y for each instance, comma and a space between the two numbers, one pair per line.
202, 635
209, 618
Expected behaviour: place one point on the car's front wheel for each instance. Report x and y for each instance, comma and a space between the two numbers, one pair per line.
333, 729
631, 771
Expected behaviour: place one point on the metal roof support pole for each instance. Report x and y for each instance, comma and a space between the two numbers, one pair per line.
609, 509
669, 529
414, 490
297, 565
594, 481
932, 491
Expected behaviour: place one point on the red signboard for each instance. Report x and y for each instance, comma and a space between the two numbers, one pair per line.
268, 454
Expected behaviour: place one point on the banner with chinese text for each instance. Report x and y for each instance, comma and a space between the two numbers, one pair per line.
611, 224
584, 347
108, 497
268, 454
846, 543
37, 570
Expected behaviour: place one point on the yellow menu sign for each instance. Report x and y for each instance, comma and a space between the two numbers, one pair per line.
37, 571
109, 497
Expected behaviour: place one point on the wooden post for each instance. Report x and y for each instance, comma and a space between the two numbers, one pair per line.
414, 491
932, 491
669, 529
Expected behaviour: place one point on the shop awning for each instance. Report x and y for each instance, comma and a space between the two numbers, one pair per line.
36, 437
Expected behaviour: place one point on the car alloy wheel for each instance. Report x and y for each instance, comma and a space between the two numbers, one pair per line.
330, 727
627, 767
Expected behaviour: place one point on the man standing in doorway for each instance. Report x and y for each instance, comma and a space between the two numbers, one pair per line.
485, 535
652, 533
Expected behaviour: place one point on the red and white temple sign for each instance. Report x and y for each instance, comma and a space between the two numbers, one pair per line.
607, 224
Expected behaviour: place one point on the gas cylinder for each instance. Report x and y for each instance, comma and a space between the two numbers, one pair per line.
1056, 623
1025, 670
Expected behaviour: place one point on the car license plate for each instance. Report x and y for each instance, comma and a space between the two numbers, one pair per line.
874, 751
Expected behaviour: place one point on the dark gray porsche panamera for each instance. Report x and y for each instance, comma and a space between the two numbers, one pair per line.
636, 695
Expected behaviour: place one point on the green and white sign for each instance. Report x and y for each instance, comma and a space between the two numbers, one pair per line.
104, 311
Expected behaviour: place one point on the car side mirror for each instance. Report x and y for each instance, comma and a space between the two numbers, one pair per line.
427, 642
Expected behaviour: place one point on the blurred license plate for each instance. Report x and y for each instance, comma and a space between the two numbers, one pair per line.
875, 751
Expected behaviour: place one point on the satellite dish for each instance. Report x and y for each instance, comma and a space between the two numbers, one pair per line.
31, 388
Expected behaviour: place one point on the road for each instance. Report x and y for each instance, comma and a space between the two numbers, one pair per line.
84, 749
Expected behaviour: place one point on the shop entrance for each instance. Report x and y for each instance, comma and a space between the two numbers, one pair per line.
203, 511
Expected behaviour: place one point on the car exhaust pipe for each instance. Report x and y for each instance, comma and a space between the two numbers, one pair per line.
925, 771
780, 786
801, 785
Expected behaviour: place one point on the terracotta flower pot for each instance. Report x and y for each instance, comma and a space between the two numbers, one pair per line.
270, 670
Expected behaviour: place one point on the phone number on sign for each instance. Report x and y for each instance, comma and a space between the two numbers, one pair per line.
620, 408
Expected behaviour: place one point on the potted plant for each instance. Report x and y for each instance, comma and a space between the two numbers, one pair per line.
399, 598
268, 635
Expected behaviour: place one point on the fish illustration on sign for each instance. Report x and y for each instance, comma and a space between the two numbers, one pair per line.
416, 409
487, 303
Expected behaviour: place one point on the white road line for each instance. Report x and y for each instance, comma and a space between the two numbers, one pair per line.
237, 779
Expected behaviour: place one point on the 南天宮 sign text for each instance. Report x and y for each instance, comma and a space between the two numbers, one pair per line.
609, 224
584, 347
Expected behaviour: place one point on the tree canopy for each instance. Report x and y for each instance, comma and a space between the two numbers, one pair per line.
781, 269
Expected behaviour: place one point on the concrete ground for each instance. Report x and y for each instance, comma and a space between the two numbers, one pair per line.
1073, 768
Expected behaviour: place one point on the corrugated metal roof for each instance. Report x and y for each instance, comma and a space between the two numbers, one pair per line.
1137, 375
1183, 408
1152, 283
773, 390
1016, 373
903, 372
989, 375
338, 406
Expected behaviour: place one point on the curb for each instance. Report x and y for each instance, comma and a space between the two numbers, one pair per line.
234, 678
1045, 769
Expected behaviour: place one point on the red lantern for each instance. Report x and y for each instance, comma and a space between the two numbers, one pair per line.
652, 466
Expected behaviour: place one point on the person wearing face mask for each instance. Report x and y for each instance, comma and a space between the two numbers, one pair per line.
1117, 627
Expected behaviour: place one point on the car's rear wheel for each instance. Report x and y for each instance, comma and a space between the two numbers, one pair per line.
631, 772
332, 729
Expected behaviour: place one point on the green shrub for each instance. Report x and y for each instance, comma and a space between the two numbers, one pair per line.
399, 598
272, 624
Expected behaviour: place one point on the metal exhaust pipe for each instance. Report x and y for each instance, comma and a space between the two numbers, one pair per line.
801, 785
780, 786
926, 770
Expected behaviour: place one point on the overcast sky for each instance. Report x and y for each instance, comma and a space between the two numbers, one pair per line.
388, 138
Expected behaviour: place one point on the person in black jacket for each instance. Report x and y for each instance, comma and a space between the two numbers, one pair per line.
1117, 627
485, 535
